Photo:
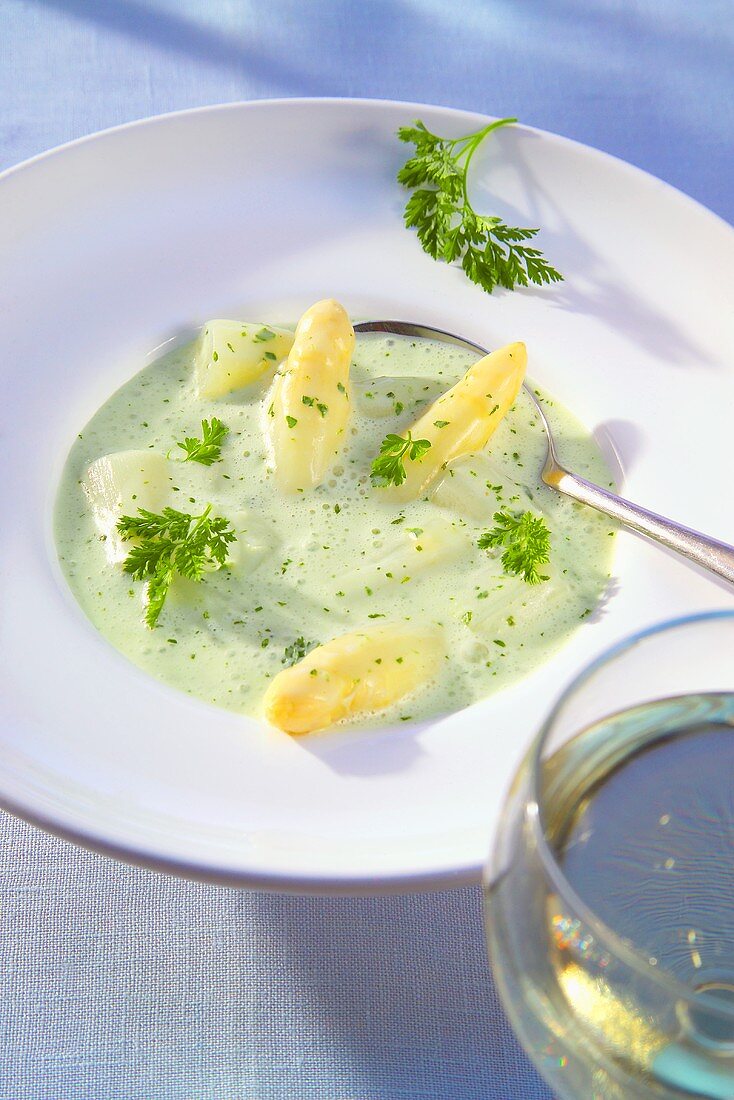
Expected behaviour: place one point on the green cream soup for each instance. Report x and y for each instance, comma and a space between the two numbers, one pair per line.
339, 558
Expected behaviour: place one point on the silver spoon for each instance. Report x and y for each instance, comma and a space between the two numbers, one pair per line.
717, 557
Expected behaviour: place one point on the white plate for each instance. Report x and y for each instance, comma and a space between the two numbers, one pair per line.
114, 244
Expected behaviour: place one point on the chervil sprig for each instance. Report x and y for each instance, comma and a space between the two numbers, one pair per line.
208, 449
526, 540
491, 252
389, 466
170, 543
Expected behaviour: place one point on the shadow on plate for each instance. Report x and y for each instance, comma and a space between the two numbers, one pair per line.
595, 290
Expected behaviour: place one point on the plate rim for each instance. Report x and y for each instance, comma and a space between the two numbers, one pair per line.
353, 101
340, 883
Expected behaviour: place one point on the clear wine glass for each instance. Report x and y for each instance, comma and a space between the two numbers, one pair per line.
610, 897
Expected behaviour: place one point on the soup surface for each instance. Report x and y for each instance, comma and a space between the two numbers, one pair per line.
310, 566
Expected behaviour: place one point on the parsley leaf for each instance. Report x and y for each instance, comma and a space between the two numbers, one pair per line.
297, 650
526, 540
170, 543
208, 449
389, 468
491, 252
307, 400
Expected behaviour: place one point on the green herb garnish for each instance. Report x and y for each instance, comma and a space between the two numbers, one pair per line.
297, 650
208, 449
311, 401
526, 540
389, 467
263, 334
291, 421
172, 543
447, 224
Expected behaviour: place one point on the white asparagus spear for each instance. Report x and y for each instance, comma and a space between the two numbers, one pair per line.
308, 408
462, 419
352, 674
118, 484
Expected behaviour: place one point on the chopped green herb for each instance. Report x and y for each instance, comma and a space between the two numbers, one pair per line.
307, 400
441, 423
291, 421
270, 355
264, 334
297, 650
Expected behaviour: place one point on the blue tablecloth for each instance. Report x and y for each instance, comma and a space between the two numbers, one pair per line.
118, 983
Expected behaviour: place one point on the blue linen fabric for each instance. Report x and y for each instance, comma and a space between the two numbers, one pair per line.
119, 984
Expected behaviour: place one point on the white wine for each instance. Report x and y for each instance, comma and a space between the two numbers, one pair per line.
636, 835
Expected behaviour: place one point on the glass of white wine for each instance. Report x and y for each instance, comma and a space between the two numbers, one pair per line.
610, 897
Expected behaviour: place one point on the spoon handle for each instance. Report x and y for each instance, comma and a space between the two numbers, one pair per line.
718, 557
